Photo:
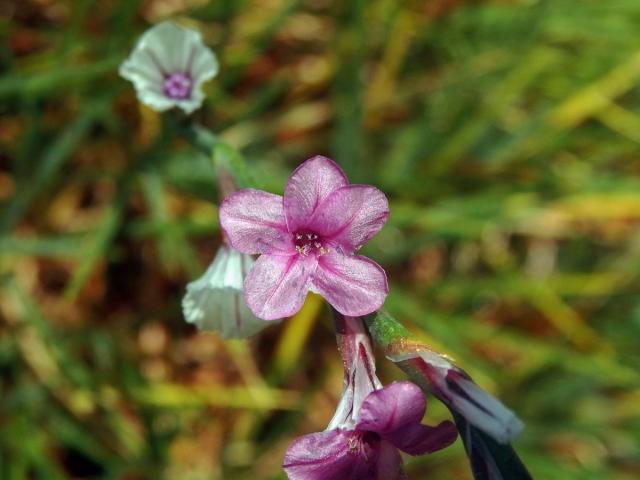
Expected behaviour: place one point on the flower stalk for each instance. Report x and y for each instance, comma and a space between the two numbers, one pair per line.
200, 137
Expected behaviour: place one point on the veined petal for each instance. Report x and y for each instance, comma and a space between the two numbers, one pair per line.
308, 186
147, 77
203, 65
277, 285
215, 302
334, 454
351, 215
142, 70
254, 223
172, 45
353, 284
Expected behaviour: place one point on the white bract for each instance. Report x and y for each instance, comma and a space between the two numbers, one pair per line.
215, 301
168, 67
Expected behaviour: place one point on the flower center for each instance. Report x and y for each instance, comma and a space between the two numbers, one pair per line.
309, 243
362, 443
178, 86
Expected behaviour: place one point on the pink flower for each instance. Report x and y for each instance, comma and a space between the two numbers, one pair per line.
389, 420
371, 424
307, 240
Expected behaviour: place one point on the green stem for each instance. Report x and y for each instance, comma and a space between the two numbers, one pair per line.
226, 159
200, 137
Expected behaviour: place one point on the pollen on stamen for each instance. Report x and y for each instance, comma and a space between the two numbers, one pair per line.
352, 444
359, 442
309, 243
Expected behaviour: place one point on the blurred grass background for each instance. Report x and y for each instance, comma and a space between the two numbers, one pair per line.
505, 134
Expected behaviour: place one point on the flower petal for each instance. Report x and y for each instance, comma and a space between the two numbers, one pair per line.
353, 284
351, 215
203, 65
154, 98
308, 186
192, 103
141, 69
254, 223
330, 455
393, 406
171, 45
277, 285
395, 412
215, 302
147, 79
418, 439
389, 463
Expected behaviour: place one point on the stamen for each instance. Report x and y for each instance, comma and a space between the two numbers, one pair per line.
178, 86
353, 444
309, 243
361, 441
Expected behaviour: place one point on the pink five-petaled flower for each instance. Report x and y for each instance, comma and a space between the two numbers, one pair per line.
308, 241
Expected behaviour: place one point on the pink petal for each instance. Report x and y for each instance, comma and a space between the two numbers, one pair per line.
308, 186
393, 406
254, 222
277, 285
389, 463
353, 284
351, 215
417, 439
330, 455
395, 412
